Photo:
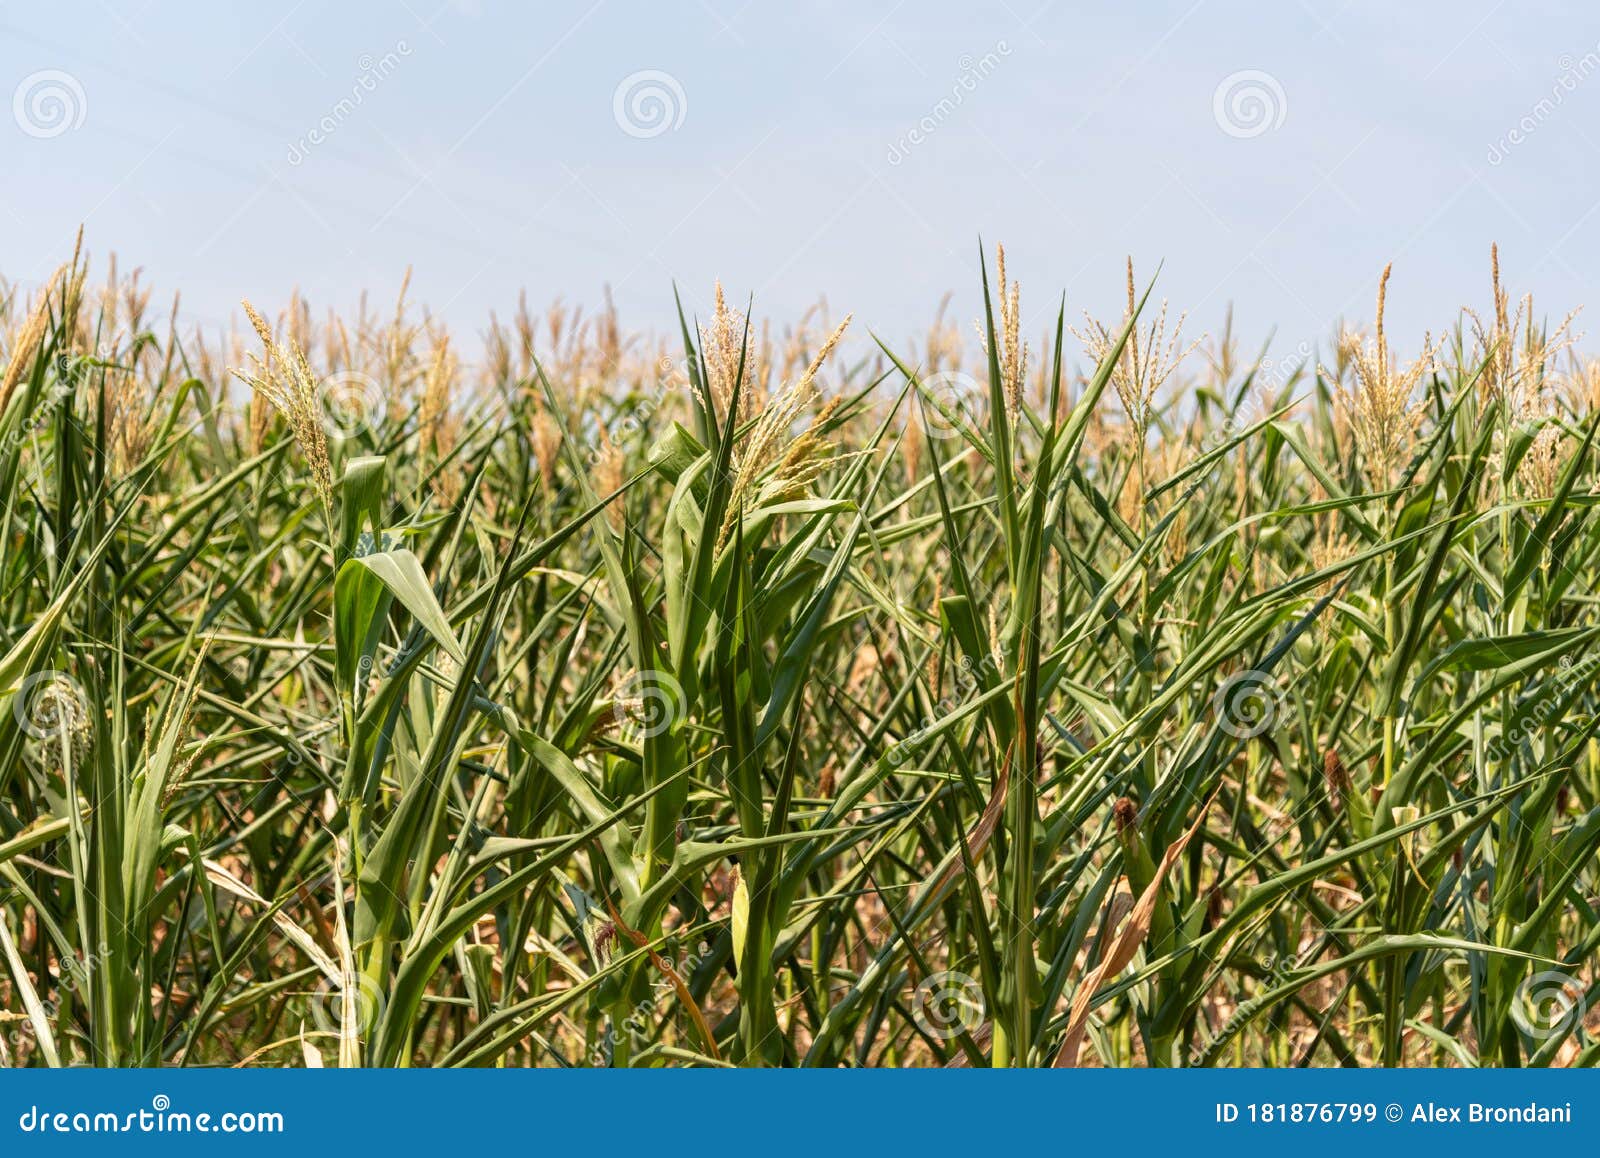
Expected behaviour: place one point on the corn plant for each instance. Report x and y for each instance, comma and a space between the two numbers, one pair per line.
731, 699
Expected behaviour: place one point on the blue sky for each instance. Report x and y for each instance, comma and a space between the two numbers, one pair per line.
852, 150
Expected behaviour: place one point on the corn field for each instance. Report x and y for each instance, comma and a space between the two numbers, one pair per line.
566, 696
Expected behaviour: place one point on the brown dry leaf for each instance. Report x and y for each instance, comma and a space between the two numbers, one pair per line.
1122, 950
